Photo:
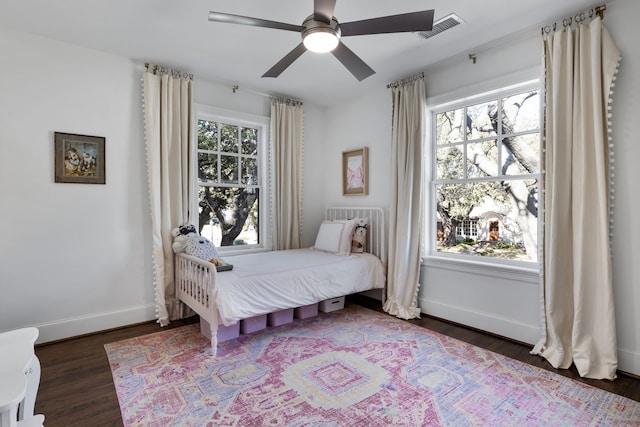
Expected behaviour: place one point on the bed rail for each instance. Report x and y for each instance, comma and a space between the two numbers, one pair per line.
196, 286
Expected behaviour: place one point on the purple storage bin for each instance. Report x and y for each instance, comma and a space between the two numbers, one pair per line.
280, 317
253, 324
306, 311
225, 333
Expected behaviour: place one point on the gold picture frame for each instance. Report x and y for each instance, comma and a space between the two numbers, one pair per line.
79, 158
355, 172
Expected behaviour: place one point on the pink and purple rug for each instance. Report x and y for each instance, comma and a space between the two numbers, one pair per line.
353, 367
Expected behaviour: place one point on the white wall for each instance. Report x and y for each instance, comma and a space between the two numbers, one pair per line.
364, 122
76, 258
73, 255
508, 303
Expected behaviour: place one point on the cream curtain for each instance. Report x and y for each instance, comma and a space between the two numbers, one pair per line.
578, 318
287, 121
406, 208
168, 119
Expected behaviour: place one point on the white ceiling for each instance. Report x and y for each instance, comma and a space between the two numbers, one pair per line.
178, 34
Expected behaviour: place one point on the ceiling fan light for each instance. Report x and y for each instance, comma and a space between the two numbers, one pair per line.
321, 41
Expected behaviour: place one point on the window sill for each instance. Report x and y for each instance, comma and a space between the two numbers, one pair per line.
522, 272
233, 252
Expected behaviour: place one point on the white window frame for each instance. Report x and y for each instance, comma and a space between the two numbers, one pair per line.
482, 93
468, 224
220, 115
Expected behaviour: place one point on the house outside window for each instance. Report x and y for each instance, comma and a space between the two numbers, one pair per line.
486, 174
232, 180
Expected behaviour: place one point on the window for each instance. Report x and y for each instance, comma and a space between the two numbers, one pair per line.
232, 179
486, 175
468, 228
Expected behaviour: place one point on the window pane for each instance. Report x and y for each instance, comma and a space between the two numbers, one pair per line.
249, 141
482, 120
450, 163
207, 135
237, 208
482, 159
450, 126
228, 138
492, 219
521, 154
249, 171
521, 112
228, 169
207, 167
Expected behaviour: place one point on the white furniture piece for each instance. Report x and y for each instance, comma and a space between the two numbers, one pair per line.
212, 295
19, 378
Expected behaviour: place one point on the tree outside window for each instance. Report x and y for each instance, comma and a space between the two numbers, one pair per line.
229, 184
486, 173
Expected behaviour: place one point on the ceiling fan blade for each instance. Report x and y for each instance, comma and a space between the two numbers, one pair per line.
352, 62
288, 59
256, 22
323, 10
406, 22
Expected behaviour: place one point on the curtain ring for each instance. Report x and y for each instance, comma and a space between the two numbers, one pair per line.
566, 22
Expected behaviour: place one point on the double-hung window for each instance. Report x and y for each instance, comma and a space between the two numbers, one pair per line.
486, 176
232, 179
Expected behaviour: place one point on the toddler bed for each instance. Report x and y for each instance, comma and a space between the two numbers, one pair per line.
267, 282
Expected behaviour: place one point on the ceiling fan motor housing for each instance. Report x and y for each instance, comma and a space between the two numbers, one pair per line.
311, 26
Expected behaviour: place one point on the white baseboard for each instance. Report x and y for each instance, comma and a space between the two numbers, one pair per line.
628, 361
66, 328
489, 322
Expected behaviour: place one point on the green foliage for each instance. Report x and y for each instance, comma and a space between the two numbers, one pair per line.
458, 200
227, 163
505, 245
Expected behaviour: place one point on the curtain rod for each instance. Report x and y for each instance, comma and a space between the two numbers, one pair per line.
285, 100
159, 69
577, 18
406, 80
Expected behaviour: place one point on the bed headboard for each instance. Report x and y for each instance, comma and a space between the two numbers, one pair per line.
376, 235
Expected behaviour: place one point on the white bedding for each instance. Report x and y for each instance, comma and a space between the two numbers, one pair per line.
270, 281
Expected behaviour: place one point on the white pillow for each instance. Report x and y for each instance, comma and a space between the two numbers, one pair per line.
335, 236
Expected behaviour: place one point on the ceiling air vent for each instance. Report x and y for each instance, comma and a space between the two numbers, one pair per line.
441, 25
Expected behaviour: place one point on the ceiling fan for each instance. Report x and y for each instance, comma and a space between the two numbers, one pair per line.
321, 32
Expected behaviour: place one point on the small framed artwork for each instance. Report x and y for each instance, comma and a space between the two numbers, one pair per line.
355, 171
79, 158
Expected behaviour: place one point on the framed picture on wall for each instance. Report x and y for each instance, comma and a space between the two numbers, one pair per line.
355, 171
79, 158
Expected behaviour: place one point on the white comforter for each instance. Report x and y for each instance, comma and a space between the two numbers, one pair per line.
270, 281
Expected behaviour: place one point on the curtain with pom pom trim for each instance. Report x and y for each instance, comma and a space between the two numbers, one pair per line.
406, 206
577, 292
169, 118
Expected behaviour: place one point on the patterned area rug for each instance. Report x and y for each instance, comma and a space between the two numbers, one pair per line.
353, 367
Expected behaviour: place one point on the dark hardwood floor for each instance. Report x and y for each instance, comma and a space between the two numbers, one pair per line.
76, 387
